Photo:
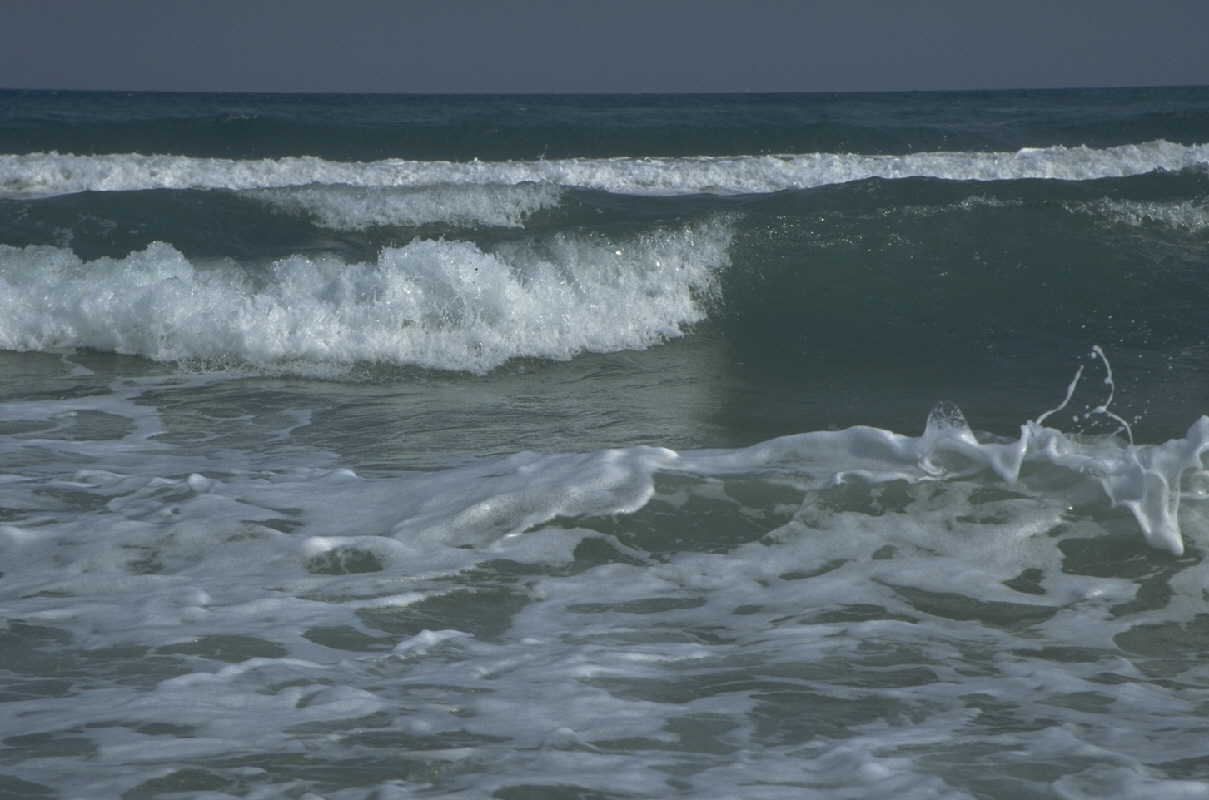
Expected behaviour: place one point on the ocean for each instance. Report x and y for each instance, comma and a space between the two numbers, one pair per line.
703, 446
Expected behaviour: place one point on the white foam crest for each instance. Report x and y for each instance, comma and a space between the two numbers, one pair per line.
1148, 480
1145, 479
40, 174
438, 304
359, 208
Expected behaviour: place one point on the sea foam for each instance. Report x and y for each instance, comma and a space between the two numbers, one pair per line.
556, 604
43, 174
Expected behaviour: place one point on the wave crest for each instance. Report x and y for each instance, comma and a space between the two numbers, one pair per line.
44, 174
431, 303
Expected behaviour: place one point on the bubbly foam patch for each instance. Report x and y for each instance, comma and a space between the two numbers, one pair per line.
42, 174
439, 304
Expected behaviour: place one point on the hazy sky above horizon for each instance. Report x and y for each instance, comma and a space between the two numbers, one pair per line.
599, 45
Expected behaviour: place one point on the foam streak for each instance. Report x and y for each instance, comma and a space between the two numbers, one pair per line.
43, 174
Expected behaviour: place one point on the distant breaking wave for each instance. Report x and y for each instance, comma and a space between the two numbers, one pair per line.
48, 174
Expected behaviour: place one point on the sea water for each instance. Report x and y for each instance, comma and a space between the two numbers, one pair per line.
750, 446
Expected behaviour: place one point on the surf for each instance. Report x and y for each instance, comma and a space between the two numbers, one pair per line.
440, 304
48, 174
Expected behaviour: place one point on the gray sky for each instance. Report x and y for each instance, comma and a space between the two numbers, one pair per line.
600, 45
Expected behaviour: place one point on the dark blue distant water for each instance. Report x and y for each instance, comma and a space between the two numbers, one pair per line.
512, 446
